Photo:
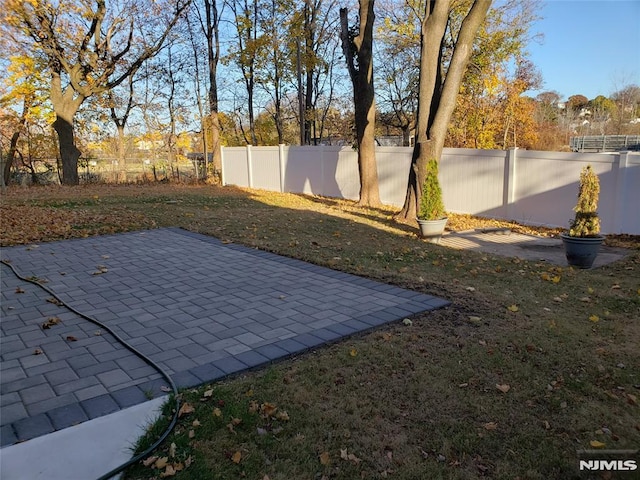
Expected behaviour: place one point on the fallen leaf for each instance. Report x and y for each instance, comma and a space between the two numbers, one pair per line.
353, 352
236, 457
208, 393
513, 308
19, 290
217, 412
283, 416
407, 322
51, 321
490, 425
325, 459
503, 388
172, 449
164, 388
191, 434
268, 409
594, 318
37, 351
71, 338
185, 409
349, 456
169, 472
150, 461
597, 444
160, 463
195, 423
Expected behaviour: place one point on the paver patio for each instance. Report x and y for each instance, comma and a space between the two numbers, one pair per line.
199, 308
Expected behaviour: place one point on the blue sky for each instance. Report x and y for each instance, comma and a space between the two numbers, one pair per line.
590, 47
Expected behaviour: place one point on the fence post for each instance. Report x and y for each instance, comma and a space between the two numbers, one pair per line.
509, 186
281, 165
620, 164
249, 167
222, 175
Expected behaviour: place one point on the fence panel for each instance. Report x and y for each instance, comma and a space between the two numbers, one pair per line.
473, 181
538, 188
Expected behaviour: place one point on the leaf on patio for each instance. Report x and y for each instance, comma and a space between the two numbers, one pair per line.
55, 301
51, 321
37, 351
71, 338
19, 290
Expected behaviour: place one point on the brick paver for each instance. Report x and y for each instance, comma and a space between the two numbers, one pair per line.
197, 307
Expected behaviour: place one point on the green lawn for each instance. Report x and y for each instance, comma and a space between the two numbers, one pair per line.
530, 363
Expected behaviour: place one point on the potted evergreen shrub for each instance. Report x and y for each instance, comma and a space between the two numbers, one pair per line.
431, 215
583, 240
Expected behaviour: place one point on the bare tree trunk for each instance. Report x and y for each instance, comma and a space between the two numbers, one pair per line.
437, 98
65, 105
213, 55
69, 153
360, 48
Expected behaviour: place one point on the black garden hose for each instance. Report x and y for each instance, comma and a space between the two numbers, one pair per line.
133, 350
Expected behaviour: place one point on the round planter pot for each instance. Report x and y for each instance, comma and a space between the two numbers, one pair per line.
432, 230
581, 251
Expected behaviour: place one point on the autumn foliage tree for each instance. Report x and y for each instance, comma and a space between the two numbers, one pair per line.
90, 47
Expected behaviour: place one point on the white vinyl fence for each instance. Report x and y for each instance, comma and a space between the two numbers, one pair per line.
536, 188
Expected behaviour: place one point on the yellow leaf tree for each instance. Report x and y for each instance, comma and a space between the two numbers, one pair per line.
90, 47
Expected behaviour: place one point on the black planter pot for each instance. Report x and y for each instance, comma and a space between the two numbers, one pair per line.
581, 252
